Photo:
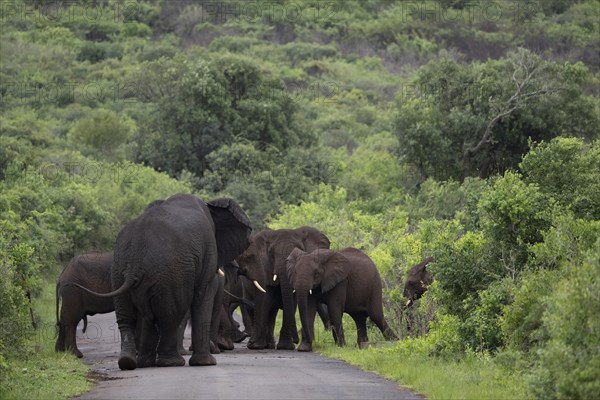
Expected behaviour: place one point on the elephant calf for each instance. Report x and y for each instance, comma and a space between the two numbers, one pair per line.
346, 281
91, 270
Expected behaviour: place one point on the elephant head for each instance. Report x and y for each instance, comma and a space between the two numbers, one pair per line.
417, 281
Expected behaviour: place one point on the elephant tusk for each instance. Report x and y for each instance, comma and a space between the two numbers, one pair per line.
274, 277
220, 272
408, 303
294, 291
310, 291
259, 287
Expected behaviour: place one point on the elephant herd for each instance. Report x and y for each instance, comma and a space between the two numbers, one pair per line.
184, 258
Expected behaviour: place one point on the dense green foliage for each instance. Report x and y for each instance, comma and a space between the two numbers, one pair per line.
454, 129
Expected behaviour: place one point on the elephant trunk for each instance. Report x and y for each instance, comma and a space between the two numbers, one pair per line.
289, 307
130, 280
302, 298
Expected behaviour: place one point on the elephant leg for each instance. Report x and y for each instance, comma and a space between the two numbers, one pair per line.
70, 315
383, 326
217, 307
360, 319
202, 310
60, 339
167, 351
237, 336
335, 315
247, 317
324, 315
272, 318
127, 321
146, 341
226, 329
261, 327
181, 334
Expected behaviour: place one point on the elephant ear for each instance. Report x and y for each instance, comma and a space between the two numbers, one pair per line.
232, 229
291, 263
334, 268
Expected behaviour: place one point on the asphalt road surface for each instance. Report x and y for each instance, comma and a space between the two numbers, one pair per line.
239, 374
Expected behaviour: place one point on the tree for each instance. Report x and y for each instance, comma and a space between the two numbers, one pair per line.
459, 120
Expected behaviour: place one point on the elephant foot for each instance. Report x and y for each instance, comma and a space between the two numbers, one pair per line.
77, 353
214, 349
224, 344
305, 346
255, 345
145, 361
363, 345
127, 362
240, 336
170, 361
202, 359
285, 345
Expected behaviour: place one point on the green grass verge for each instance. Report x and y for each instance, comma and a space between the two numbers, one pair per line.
39, 372
408, 363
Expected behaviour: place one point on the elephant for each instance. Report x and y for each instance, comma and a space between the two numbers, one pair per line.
417, 281
93, 271
264, 264
166, 262
347, 281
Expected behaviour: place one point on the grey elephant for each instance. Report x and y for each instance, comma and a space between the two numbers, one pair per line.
93, 271
264, 264
165, 263
417, 281
347, 281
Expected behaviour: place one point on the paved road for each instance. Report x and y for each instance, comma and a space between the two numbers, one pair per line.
239, 374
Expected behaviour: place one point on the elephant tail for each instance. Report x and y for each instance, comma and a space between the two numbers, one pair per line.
130, 280
84, 324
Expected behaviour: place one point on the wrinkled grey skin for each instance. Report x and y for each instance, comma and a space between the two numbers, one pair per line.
91, 270
347, 281
417, 281
264, 261
165, 263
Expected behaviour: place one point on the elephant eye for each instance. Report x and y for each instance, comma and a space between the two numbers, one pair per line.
316, 274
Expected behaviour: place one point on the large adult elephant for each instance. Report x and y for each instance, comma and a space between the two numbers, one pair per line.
346, 281
91, 270
165, 262
264, 263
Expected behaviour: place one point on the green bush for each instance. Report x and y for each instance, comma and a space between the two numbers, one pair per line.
18, 279
521, 321
102, 134
567, 170
569, 364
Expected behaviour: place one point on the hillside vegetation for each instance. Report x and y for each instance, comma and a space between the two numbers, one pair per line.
463, 130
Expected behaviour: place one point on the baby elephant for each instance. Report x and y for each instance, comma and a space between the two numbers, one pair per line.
347, 281
91, 270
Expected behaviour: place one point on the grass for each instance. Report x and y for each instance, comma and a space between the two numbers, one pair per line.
408, 363
41, 373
